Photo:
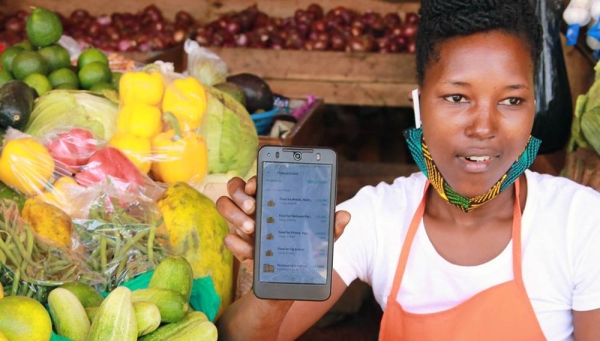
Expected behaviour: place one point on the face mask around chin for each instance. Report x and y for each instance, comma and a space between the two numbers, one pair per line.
422, 157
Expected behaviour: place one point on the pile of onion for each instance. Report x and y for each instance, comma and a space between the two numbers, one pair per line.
340, 29
146, 30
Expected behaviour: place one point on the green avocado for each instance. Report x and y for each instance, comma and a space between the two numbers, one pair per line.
16, 104
233, 90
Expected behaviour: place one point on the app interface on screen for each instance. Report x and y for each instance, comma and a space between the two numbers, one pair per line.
295, 223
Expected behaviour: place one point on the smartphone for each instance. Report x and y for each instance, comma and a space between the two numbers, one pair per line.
295, 207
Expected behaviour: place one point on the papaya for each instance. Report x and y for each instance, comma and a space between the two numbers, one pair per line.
196, 231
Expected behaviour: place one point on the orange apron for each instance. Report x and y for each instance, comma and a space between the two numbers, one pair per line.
502, 312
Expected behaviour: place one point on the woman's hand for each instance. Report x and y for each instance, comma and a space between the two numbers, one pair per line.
239, 210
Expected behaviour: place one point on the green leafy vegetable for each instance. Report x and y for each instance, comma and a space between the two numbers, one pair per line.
231, 136
73, 108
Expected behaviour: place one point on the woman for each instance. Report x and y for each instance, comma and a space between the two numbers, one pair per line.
475, 247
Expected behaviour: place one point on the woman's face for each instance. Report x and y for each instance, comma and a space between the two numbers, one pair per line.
477, 104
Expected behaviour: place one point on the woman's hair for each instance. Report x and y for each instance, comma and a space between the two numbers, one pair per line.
444, 19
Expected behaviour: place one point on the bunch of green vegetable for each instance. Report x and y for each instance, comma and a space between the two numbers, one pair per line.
73, 108
120, 240
583, 151
32, 266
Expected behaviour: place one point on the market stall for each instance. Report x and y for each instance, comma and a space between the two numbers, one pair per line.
117, 145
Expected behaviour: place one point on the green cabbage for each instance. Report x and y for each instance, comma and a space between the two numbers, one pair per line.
73, 108
231, 137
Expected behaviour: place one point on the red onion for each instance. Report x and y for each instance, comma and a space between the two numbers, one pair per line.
338, 43
319, 25
184, 18
316, 9
409, 31
412, 18
392, 20
15, 25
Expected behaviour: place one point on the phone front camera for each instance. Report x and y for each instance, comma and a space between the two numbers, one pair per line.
297, 156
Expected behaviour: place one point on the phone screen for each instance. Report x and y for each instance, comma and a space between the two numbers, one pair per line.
295, 218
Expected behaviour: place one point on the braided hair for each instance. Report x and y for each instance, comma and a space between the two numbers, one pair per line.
444, 19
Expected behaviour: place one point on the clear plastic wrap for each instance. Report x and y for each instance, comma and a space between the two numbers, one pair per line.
32, 265
204, 65
164, 139
90, 199
118, 235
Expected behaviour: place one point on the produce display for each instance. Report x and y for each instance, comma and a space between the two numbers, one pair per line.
44, 65
146, 30
105, 233
583, 151
340, 29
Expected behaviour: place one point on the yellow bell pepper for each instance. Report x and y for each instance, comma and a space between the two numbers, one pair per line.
26, 165
179, 156
140, 119
137, 149
186, 99
141, 87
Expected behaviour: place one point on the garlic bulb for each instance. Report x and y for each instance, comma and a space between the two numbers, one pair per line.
577, 15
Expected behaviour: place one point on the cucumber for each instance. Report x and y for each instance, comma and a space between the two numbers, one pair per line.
87, 295
68, 315
194, 326
91, 312
174, 273
170, 303
147, 316
115, 319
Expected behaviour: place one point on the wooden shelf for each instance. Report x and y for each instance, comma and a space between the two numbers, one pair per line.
372, 79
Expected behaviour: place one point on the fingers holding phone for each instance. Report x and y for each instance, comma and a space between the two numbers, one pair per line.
238, 209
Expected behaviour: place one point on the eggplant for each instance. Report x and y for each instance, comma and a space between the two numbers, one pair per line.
16, 104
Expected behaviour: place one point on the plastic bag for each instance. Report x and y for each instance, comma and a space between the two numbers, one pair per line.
554, 106
163, 136
33, 265
118, 234
204, 65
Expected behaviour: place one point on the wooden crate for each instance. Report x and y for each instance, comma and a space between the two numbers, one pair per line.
309, 131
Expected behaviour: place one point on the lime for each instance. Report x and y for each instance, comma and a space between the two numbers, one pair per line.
116, 79
64, 76
56, 56
28, 62
43, 27
8, 55
98, 87
66, 86
25, 44
91, 55
95, 72
5, 77
39, 82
